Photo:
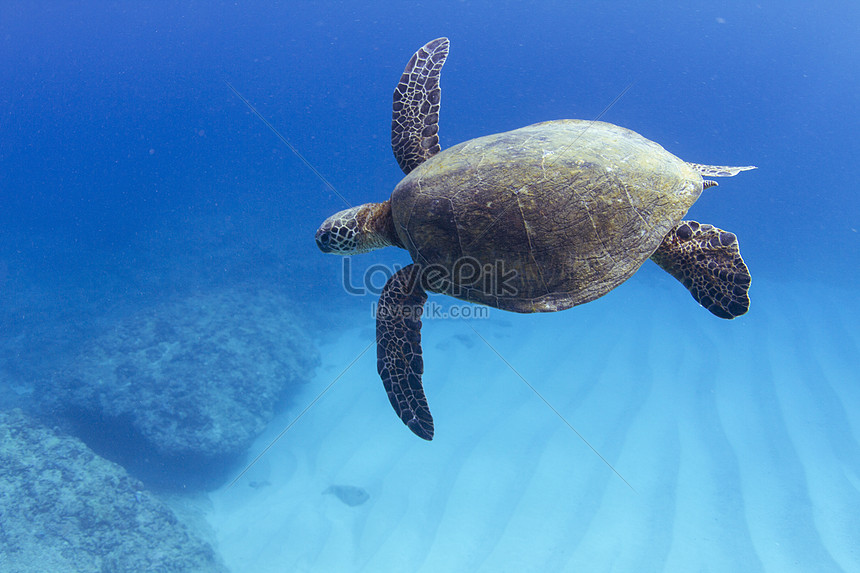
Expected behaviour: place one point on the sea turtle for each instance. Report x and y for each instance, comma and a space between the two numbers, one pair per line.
538, 219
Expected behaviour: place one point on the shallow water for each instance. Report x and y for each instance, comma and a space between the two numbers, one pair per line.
735, 441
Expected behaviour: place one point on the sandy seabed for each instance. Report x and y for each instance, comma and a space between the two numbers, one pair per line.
734, 445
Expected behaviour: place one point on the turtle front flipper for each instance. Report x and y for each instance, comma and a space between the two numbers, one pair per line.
417, 97
398, 348
708, 262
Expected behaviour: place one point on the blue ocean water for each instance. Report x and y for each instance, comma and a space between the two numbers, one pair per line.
130, 175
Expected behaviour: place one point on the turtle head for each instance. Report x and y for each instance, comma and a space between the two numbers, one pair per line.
358, 230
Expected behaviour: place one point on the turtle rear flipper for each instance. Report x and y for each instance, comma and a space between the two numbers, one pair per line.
707, 261
398, 348
719, 170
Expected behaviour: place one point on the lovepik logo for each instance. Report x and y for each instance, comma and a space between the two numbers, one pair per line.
467, 273
432, 310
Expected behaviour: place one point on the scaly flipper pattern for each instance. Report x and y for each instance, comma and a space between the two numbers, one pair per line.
398, 348
707, 261
415, 115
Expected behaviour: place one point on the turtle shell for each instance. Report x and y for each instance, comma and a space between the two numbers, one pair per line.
544, 217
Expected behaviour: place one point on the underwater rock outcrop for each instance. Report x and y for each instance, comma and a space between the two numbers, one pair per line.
63, 508
186, 384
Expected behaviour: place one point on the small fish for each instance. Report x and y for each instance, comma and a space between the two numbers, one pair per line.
348, 494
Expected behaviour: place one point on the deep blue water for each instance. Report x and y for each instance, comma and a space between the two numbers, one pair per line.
130, 171
117, 126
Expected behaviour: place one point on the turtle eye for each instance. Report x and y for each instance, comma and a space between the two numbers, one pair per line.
336, 239
323, 239
339, 233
